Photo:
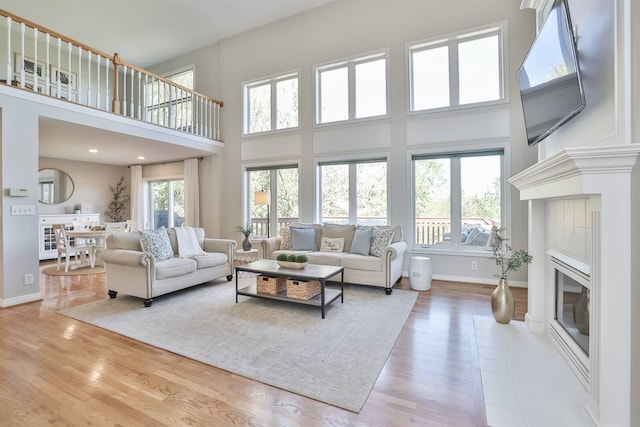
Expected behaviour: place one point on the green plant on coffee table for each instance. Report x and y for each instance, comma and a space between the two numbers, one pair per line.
504, 256
300, 259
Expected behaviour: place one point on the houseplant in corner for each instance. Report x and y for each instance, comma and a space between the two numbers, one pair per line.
246, 232
502, 302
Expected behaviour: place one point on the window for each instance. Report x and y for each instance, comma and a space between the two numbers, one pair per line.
352, 89
282, 184
168, 105
354, 192
461, 70
271, 104
457, 198
167, 202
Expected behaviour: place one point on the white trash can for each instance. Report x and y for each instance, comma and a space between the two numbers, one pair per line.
420, 273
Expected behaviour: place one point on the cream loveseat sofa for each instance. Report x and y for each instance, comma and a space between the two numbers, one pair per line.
376, 260
146, 275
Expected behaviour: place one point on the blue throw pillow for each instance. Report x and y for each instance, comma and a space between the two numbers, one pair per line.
303, 239
361, 241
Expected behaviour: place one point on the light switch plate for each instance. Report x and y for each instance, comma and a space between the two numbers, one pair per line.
23, 210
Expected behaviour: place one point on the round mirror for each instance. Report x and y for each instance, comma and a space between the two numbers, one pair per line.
54, 186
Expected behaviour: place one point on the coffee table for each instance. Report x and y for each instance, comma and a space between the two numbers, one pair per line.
311, 272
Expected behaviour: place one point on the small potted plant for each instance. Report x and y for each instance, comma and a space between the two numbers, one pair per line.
246, 232
77, 208
292, 260
509, 260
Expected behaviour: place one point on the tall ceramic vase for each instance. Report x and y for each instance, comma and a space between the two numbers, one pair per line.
502, 303
246, 244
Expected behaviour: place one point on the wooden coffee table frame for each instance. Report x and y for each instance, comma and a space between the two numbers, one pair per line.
311, 272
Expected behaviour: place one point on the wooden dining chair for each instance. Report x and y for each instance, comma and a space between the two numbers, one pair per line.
71, 248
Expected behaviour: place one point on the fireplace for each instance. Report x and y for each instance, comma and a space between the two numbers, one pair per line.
582, 203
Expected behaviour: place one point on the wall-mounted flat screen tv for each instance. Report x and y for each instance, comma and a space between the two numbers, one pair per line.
549, 78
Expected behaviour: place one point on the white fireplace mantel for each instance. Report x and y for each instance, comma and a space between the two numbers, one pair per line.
574, 171
606, 175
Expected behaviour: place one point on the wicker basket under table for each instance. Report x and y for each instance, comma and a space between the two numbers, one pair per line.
271, 285
302, 289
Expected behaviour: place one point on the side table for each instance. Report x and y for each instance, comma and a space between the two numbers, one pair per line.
243, 257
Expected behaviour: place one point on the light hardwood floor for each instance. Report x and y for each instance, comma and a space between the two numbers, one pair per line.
58, 371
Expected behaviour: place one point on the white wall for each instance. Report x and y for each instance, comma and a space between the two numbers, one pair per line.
91, 183
348, 28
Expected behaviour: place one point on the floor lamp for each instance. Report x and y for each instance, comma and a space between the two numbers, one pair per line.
263, 198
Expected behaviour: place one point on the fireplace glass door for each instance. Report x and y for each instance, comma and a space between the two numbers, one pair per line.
572, 309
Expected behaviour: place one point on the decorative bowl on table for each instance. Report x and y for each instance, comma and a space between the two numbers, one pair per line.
291, 264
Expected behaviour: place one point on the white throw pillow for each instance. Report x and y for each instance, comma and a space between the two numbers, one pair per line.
332, 244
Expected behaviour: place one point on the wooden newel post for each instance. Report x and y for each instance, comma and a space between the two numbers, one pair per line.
116, 101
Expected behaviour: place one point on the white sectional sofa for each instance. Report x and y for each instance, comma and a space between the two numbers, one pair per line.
374, 266
132, 271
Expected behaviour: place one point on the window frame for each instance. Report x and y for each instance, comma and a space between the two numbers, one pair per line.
353, 196
464, 150
148, 184
452, 41
248, 195
272, 81
350, 63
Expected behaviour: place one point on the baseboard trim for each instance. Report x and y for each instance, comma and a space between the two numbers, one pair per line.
22, 299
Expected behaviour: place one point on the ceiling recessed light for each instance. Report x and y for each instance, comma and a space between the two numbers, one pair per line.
140, 157
93, 150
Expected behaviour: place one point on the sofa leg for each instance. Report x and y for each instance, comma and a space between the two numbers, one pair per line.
229, 277
388, 291
147, 302
112, 294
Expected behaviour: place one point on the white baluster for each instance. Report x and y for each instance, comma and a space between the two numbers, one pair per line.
106, 80
98, 57
72, 81
79, 90
131, 105
9, 70
59, 72
89, 84
124, 90
35, 60
141, 95
47, 68
22, 76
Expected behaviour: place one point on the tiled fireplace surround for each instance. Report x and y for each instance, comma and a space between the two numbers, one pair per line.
580, 208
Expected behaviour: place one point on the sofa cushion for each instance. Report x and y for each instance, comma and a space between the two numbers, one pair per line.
174, 267
340, 231
285, 237
211, 259
361, 262
332, 244
157, 243
361, 241
326, 258
303, 239
124, 240
380, 239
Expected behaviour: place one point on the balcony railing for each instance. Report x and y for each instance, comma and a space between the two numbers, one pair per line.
428, 231
46, 62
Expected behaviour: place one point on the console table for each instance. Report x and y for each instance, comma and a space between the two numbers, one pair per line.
47, 238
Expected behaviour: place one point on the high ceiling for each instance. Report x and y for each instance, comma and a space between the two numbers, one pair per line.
144, 33
147, 32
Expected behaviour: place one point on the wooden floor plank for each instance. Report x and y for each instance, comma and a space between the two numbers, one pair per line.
58, 371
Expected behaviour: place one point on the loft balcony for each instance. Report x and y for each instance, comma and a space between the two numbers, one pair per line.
36, 59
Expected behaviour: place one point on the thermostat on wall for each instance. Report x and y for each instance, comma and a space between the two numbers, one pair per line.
18, 192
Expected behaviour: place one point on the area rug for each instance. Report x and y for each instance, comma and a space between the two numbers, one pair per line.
334, 360
51, 271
